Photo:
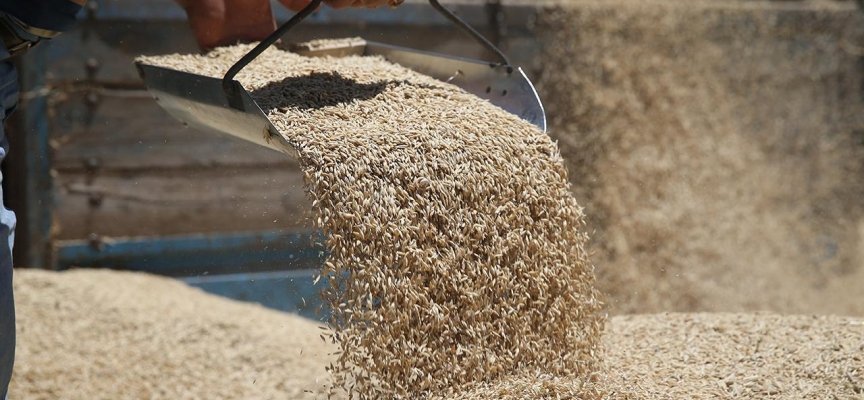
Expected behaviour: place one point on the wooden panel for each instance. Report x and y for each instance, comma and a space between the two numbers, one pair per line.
178, 202
135, 133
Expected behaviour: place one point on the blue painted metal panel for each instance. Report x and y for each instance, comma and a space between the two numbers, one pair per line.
196, 254
274, 269
289, 291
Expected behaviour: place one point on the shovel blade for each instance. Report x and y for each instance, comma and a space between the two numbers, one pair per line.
504, 86
200, 101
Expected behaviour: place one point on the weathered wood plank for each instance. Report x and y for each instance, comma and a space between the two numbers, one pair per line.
178, 202
135, 133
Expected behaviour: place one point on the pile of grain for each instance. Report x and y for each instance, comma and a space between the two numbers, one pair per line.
734, 356
693, 356
456, 248
112, 335
717, 147
118, 335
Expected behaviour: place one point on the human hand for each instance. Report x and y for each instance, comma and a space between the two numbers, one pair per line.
224, 22
297, 5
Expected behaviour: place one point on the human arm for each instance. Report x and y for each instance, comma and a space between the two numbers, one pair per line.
224, 22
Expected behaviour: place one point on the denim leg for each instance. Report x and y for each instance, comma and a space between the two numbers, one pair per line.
9, 99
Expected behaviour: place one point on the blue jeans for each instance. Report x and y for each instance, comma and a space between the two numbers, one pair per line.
8, 102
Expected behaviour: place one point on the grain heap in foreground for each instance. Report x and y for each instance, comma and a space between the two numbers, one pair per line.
456, 248
86, 335
119, 335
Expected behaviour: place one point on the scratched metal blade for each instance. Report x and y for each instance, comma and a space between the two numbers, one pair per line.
200, 102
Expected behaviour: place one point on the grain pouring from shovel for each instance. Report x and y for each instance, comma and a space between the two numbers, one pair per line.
456, 250
224, 106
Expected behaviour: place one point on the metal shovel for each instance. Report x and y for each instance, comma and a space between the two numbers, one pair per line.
223, 105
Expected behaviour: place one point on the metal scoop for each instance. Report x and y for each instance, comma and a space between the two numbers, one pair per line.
223, 105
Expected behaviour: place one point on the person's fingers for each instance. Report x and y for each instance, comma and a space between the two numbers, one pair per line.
339, 4
375, 3
224, 22
206, 18
200, 9
295, 5
378, 3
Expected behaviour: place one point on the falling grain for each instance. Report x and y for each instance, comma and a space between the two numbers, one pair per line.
456, 250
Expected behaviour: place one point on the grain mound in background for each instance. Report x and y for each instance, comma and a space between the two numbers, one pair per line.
119, 335
752, 356
697, 356
456, 249
717, 148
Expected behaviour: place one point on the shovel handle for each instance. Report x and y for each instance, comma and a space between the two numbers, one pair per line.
232, 88
470, 31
